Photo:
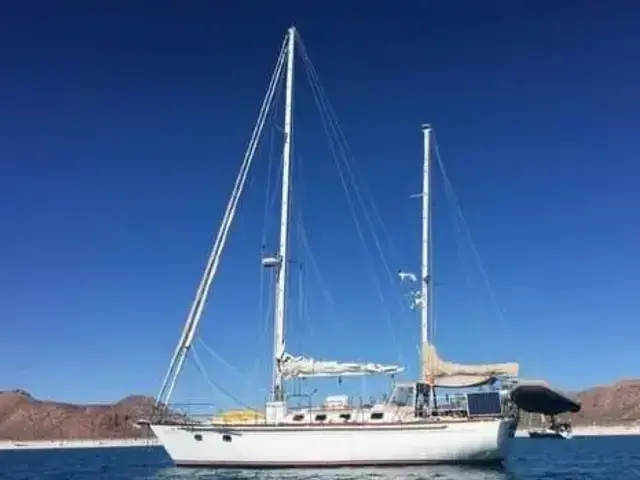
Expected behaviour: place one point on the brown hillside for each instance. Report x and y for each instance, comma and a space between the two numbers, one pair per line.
614, 404
24, 418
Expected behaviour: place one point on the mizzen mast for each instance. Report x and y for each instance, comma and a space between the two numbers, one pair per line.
425, 275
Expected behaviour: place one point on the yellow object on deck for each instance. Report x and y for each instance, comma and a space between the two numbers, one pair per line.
239, 416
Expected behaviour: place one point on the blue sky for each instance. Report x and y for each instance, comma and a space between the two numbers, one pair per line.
123, 126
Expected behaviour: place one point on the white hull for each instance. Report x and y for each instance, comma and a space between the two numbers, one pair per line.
479, 442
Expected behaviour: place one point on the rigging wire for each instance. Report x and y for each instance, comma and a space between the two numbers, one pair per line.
345, 150
303, 245
378, 217
302, 311
245, 378
324, 104
314, 265
451, 194
431, 314
213, 384
195, 312
297, 195
332, 126
269, 201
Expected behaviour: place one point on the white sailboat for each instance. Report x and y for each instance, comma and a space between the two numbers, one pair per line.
412, 427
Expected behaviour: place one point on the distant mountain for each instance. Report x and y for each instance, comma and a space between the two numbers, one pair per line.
615, 404
24, 418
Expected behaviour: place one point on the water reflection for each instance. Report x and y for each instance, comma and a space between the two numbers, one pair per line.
405, 473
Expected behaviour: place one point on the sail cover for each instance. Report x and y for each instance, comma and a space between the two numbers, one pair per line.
455, 375
305, 367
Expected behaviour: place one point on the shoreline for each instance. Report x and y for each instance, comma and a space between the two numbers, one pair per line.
594, 431
68, 444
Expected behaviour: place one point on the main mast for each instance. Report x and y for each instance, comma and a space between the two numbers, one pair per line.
281, 283
425, 276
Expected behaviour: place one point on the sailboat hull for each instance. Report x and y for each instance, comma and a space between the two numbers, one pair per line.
467, 442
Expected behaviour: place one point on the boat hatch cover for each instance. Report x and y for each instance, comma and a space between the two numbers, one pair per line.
539, 397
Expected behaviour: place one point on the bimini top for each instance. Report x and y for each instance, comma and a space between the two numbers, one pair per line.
539, 397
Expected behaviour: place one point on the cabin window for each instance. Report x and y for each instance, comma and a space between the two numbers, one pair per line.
345, 416
298, 418
377, 415
321, 417
197, 437
226, 437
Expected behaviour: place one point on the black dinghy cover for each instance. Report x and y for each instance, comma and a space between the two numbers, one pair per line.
540, 397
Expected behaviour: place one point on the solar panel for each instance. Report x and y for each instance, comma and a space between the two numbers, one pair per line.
484, 403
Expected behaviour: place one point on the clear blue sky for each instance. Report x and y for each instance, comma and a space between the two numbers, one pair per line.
122, 126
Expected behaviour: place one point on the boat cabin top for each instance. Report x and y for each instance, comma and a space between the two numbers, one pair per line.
422, 398
411, 401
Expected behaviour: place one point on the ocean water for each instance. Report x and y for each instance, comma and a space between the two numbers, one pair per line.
601, 458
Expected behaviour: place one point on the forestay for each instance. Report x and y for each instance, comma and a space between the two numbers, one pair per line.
306, 367
455, 375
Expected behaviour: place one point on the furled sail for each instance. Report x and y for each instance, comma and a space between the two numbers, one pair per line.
305, 367
455, 375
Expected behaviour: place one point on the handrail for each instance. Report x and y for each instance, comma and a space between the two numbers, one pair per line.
455, 405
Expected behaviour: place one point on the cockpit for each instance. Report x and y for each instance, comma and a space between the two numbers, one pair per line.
422, 399
402, 396
415, 395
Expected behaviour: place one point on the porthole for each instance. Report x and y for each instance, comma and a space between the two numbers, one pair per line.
197, 437
226, 437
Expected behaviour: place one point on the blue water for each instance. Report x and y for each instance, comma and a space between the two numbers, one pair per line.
601, 458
